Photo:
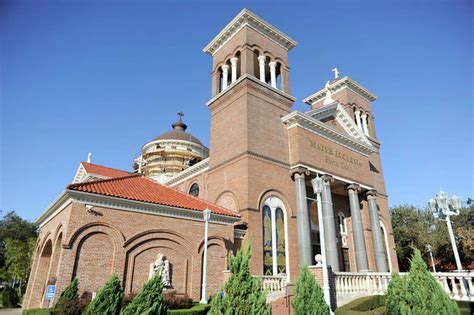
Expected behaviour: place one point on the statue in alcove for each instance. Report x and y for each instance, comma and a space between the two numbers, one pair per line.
161, 266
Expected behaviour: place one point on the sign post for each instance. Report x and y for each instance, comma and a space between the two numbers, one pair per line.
50, 292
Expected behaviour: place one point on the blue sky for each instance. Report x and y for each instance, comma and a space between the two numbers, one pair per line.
107, 76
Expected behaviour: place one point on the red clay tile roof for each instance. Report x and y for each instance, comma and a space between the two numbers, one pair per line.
103, 171
140, 188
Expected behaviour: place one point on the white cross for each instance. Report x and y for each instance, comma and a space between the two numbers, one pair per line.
336, 73
89, 157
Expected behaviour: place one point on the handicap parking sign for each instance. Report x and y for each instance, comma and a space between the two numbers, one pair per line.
50, 292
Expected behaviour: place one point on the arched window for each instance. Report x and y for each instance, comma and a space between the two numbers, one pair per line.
275, 240
341, 219
385, 243
194, 190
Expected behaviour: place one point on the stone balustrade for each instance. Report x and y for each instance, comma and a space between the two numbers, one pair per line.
352, 285
273, 283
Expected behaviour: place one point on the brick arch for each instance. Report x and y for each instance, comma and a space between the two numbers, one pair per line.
83, 231
95, 248
215, 240
141, 250
53, 269
41, 272
276, 193
217, 254
231, 197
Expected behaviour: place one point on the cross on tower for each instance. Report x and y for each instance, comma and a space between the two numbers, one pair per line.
180, 114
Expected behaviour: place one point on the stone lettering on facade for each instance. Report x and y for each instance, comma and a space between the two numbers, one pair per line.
336, 158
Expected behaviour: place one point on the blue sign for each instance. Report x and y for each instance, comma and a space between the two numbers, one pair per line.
50, 292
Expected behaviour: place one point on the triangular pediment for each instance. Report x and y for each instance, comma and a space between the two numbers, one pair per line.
335, 116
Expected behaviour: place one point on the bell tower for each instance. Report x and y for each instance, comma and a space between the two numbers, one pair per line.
249, 157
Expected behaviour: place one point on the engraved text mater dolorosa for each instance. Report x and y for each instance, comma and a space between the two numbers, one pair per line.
336, 158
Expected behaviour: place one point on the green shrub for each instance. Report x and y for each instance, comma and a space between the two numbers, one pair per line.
68, 302
243, 293
174, 301
198, 309
9, 297
149, 300
109, 299
373, 305
308, 298
465, 307
418, 292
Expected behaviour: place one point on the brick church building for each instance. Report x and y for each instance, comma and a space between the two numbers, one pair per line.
255, 178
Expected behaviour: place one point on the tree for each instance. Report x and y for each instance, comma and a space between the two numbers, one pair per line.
70, 293
418, 292
309, 298
18, 262
413, 227
242, 292
14, 227
149, 300
17, 241
108, 300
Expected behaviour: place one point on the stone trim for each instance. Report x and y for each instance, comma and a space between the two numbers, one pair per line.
250, 19
339, 85
302, 120
70, 196
194, 170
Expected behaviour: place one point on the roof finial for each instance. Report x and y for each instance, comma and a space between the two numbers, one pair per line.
89, 157
179, 125
336, 73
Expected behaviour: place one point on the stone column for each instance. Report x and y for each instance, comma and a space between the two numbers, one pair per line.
261, 64
233, 62
364, 123
357, 229
357, 115
302, 220
273, 81
225, 76
377, 239
332, 252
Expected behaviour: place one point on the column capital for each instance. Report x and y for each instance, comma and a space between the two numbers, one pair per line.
261, 59
364, 115
327, 178
300, 171
234, 60
272, 64
354, 187
225, 67
371, 194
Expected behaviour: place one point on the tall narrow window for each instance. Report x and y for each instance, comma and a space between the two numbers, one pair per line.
267, 241
275, 256
341, 218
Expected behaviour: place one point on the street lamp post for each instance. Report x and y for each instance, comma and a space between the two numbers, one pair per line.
317, 184
444, 208
207, 215
428, 247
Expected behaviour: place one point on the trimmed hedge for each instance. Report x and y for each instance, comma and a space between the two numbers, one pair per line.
465, 307
373, 305
39, 311
198, 309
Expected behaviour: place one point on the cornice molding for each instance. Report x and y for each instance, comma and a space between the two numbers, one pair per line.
339, 85
302, 120
342, 117
194, 170
250, 19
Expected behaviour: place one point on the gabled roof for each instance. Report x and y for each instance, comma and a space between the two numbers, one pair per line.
342, 117
140, 188
339, 84
88, 171
250, 19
